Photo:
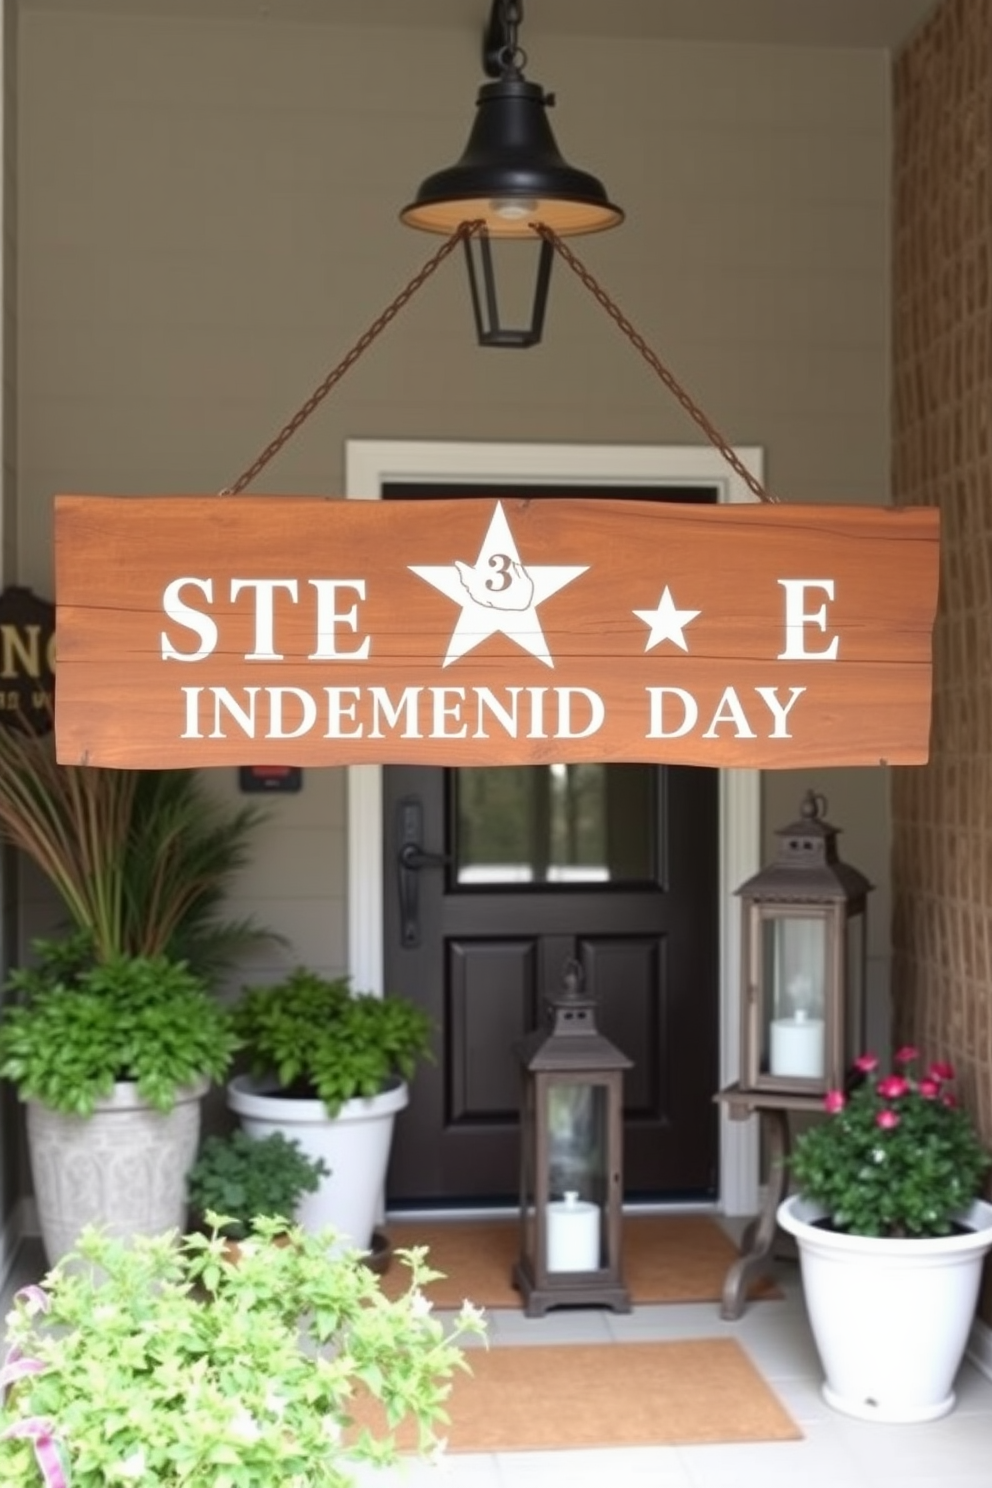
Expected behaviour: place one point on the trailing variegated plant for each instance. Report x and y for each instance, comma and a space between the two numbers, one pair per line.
162, 1363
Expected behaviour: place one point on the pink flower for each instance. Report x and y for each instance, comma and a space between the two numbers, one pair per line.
929, 1089
906, 1054
892, 1087
941, 1071
949, 1100
887, 1120
834, 1101
865, 1063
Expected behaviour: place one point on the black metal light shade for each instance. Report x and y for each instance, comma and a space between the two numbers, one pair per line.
511, 179
512, 174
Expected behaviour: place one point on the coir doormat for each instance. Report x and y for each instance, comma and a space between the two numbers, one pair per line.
555, 1397
666, 1258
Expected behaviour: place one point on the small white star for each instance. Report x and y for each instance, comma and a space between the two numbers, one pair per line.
666, 622
497, 593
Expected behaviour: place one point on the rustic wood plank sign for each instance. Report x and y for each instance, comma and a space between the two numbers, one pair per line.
285, 630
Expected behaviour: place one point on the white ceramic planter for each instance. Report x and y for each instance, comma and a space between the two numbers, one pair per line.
890, 1318
123, 1168
354, 1144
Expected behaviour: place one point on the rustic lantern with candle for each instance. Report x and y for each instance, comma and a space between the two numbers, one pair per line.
803, 962
571, 1170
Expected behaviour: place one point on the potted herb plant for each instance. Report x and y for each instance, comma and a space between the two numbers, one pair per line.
111, 1059
892, 1234
329, 1067
243, 1179
163, 1363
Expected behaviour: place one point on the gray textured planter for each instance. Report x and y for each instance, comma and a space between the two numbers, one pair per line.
123, 1168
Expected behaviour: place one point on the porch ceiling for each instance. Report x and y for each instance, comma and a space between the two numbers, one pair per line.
836, 23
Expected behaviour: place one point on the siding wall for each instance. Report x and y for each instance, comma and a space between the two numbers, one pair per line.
208, 219
942, 430
9, 1123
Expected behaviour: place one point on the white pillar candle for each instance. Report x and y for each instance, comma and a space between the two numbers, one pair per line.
573, 1235
797, 1047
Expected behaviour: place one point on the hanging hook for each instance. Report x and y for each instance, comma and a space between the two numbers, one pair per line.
501, 56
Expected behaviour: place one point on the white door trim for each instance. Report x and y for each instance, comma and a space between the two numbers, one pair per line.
369, 463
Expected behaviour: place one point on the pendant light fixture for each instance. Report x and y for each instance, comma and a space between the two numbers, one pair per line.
510, 180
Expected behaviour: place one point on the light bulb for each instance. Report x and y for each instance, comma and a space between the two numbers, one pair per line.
513, 209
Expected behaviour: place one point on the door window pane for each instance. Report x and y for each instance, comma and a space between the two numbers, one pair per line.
554, 824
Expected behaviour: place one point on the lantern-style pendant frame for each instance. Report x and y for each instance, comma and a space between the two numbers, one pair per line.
803, 962
571, 1169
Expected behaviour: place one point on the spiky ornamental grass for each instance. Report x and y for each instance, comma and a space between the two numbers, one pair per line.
141, 859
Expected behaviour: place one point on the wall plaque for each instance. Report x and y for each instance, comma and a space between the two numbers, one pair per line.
27, 659
306, 631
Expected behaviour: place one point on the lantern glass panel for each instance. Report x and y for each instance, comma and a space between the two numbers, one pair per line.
795, 972
577, 1178
855, 988
528, 1236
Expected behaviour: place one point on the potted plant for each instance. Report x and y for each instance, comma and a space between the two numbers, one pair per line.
111, 1059
141, 861
891, 1235
162, 1363
244, 1179
329, 1067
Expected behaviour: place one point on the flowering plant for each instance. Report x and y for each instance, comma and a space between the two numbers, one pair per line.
160, 1363
898, 1157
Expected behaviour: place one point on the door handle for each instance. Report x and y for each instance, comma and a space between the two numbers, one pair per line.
411, 857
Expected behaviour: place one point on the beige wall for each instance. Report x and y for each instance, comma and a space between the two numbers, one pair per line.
209, 219
942, 859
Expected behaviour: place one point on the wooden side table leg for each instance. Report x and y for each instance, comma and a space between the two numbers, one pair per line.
760, 1234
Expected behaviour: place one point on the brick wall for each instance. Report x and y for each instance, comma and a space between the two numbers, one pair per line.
942, 456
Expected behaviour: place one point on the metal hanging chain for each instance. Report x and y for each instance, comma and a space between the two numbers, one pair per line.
348, 361
463, 232
655, 363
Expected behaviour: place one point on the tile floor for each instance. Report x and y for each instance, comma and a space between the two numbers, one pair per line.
837, 1452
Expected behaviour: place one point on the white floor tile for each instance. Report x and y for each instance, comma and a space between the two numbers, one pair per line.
567, 1325
820, 1460
655, 1467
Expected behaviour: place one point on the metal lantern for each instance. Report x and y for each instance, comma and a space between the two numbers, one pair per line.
803, 962
571, 1178
510, 180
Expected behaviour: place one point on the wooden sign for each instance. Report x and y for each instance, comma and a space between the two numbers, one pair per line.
300, 631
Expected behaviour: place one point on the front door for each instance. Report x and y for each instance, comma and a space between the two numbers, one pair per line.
496, 877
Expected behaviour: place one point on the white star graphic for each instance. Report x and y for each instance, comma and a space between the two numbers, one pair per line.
497, 593
666, 622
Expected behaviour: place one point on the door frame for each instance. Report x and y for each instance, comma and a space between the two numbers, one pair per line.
371, 463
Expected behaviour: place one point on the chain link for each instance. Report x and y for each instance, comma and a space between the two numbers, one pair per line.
348, 361
465, 231
655, 363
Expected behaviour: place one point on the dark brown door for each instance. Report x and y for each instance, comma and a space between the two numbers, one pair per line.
494, 878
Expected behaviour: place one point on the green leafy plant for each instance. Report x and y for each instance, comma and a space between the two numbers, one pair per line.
896, 1157
251, 1177
160, 1362
323, 1041
83, 1025
140, 858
